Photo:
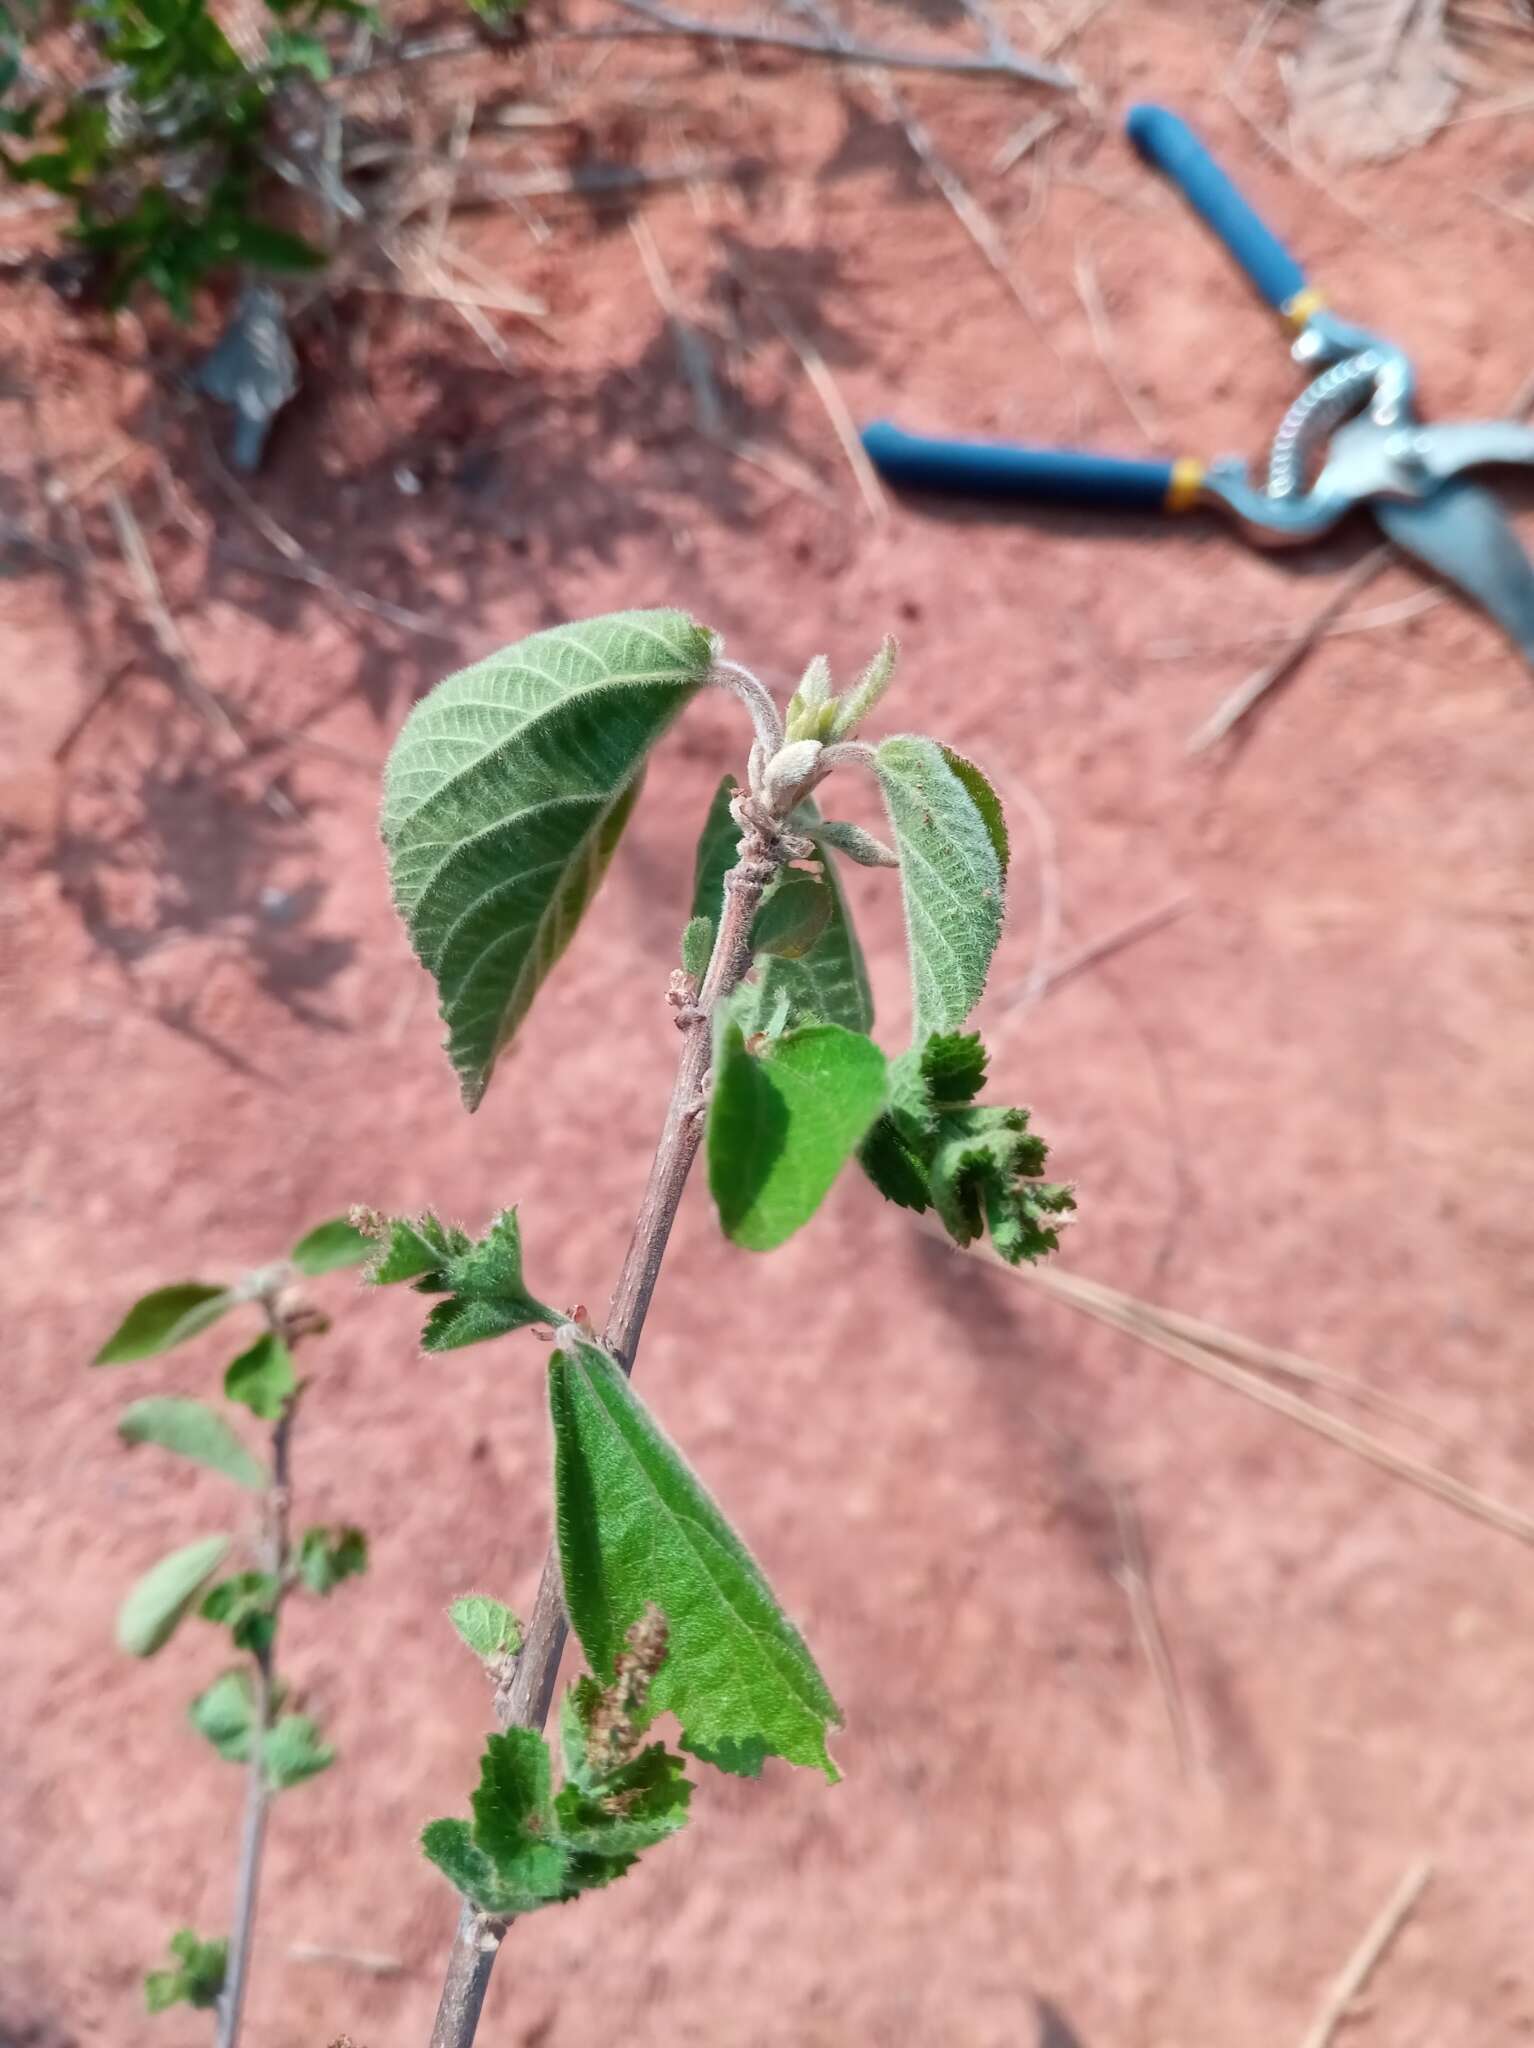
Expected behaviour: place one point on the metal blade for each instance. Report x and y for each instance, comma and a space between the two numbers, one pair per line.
1463, 533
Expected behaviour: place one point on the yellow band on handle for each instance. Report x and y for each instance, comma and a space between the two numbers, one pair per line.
1304, 303
1182, 493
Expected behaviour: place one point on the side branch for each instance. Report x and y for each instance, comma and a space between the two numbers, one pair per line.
258, 1791
524, 1697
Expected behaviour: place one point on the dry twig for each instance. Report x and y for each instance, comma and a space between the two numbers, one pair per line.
1049, 975
827, 390
1089, 291
1366, 1958
1151, 1326
1233, 708
1134, 1576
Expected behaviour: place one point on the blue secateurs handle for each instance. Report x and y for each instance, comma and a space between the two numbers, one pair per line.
1171, 145
1047, 476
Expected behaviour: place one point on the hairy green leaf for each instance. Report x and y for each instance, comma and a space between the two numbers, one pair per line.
782, 1124
246, 1604
951, 877
829, 985
486, 1295
628, 1810
483, 1278
525, 1849
293, 1751
505, 1861
411, 1248
718, 851
196, 1977
262, 1379
330, 1246
986, 802
191, 1430
977, 1164
490, 1630
953, 1065
504, 797
697, 945
895, 1166
858, 845
156, 1606
226, 1713
159, 1321
794, 913
866, 691
451, 1846
636, 1528
327, 1556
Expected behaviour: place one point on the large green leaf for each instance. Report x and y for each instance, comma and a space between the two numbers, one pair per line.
262, 1379
191, 1430
951, 843
167, 1317
156, 1606
504, 797
782, 1124
636, 1528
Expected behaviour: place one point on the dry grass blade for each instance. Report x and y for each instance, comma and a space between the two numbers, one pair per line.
1375, 77
1150, 1326
828, 391
1133, 1573
1366, 1958
1231, 709
691, 349
1093, 304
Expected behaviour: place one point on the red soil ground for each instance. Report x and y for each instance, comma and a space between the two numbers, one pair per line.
1302, 1108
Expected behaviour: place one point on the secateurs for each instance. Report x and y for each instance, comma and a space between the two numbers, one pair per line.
1352, 438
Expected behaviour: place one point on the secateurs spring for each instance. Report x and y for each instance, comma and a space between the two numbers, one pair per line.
1351, 439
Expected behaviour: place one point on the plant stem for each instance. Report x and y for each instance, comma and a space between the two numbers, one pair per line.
523, 1699
258, 1791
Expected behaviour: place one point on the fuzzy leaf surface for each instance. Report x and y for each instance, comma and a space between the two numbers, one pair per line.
489, 1629
504, 797
191, 1430
718, 851
262, 1379
330, 1246
157, 1605
978, 1164
637, 1527
782, 1124
829, 985
482, 1278
952, 876
413, 1248
159, 1321
794, 913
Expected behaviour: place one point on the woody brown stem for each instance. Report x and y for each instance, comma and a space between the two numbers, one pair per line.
522, 1700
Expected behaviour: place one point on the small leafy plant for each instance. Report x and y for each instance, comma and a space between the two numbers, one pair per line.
505, 797
173, 158
244, 1713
